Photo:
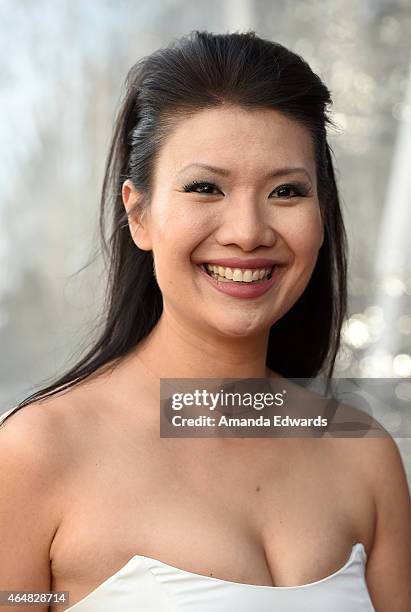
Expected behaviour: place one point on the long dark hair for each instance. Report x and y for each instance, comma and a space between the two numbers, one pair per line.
199, 71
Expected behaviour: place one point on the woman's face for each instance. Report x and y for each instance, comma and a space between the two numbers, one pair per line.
260, 201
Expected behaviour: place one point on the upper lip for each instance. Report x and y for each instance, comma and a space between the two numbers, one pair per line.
235, 262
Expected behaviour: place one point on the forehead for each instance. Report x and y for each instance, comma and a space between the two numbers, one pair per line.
244, 141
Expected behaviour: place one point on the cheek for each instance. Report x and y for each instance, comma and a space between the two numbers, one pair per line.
303, 233
175, 220
177, 231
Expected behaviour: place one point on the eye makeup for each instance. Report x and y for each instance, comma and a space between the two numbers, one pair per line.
301, 189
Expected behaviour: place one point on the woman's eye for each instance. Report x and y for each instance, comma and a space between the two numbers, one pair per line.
283, 191
200, 187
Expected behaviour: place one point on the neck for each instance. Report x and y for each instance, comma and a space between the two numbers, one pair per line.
174, 351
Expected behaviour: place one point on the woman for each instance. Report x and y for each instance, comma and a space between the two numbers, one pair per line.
219, 162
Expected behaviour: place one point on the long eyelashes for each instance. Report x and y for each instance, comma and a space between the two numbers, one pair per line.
299, 189
196, 184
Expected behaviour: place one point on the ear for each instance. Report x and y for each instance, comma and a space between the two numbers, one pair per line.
137, 216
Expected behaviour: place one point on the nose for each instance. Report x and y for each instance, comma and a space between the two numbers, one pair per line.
246, 224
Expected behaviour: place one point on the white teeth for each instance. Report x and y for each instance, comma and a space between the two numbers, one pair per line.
237, 274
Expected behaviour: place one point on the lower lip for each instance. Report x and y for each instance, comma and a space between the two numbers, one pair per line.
243, 290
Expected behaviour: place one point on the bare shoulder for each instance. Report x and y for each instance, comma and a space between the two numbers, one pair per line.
34, 462
389, 564
42, 445
38, 434
57, 432
374, 461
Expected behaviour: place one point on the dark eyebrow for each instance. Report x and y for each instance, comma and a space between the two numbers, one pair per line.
223, 172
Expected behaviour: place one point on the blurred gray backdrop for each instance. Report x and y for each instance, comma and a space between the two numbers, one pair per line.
63, 64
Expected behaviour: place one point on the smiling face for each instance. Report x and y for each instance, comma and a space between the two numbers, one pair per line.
260, 201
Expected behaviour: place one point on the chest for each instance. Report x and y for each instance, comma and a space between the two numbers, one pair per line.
241, 512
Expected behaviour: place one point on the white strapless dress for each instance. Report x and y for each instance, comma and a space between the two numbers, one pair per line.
144, 584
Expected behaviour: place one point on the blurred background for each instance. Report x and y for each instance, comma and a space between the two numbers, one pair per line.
63, 64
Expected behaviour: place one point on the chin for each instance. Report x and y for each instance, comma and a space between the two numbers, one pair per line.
239, 327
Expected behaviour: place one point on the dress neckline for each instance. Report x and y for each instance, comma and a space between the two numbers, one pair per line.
358, 546
151, 561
